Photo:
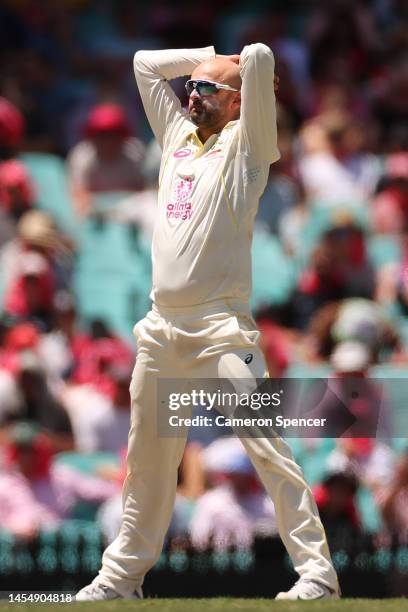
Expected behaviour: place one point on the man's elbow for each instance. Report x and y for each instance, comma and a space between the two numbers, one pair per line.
259, 52
261, 49
139, 61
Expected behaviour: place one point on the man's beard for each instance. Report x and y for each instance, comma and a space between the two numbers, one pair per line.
201, 117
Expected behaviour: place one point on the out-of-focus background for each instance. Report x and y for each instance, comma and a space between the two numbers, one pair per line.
78, 185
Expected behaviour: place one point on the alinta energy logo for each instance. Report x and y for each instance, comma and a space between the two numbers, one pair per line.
180, 207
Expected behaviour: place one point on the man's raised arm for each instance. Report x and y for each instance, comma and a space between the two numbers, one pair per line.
258, 103
152, 70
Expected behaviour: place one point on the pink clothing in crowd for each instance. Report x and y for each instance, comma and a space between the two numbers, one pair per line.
222, 518
30, 505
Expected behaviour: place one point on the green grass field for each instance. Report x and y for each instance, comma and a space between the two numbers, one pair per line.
224, 605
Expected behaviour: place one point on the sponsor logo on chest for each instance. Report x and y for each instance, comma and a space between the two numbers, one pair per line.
182, 153
214, 154
180, 206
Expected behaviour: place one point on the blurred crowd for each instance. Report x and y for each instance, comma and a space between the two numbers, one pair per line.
330, 252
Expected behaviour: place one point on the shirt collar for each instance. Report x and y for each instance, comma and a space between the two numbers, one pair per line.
194, 136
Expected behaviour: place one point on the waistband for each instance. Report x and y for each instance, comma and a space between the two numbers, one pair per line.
217, 306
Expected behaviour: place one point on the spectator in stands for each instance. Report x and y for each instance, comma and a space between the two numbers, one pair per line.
46, 93
392, 285
17, 337
389, 209
389, 215
12, 127
105, 424
97, 358
236, 508
34, 493
353, 320
84, 422
326, 181
16, 189
17, 195
320, 283
371, 462
141, 208
336, 501
30, 296
62, 347
9, 398
283, 190
354, 405
402, 279
342, 38
274, 345
39, 404
392, 499
338, 269
37, 232
112, 430
109, 159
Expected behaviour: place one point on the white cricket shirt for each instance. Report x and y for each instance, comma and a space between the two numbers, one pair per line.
208, 194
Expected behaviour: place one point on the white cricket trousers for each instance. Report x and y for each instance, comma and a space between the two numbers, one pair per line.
206, 341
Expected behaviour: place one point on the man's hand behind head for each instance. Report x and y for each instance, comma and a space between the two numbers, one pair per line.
233, 58
236, 59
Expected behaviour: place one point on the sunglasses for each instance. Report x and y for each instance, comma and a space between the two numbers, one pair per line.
206, 88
